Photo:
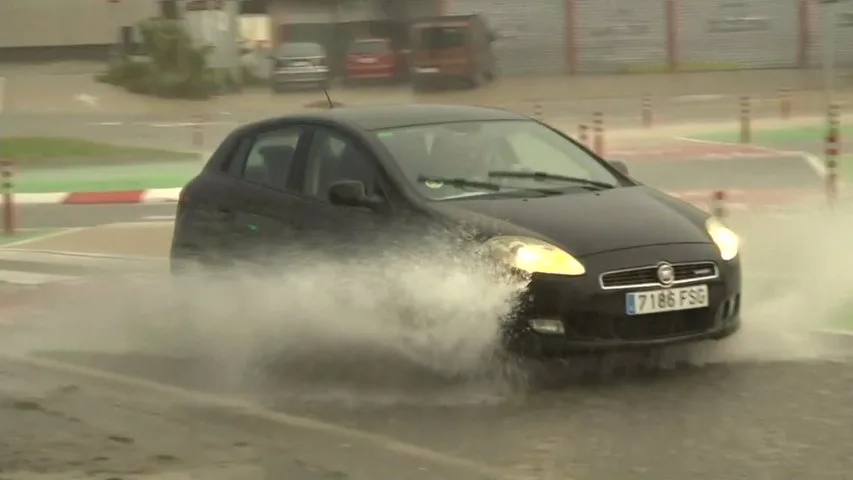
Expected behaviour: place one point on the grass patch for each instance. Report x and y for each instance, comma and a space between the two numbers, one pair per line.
29, 152
28, 234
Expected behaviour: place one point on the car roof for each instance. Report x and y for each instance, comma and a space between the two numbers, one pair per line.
397, 116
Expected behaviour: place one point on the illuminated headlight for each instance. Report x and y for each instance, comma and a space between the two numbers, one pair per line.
534, 256
725, 239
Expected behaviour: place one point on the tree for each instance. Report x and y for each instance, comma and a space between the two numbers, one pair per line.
170, 66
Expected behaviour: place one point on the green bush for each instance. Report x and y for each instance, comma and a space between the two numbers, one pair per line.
171, 67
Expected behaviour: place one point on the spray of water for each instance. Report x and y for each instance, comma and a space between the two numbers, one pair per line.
798, 270
418, 324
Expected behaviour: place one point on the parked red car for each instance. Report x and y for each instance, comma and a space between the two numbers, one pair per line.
373, 59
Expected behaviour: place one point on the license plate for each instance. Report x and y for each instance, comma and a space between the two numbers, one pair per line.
367, 60
427, 70
666, 300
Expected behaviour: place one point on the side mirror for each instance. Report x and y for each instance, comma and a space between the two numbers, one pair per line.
351, 193
619, 166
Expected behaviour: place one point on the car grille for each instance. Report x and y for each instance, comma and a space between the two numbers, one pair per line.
647, 276
594, 326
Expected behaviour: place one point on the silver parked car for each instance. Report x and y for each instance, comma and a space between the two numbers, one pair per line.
299, 63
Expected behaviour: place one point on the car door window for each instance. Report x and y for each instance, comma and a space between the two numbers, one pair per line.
334, 157
269, 159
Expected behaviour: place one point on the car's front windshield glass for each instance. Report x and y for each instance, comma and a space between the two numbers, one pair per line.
513, 155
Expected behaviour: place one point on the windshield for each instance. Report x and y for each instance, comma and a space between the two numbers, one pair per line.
440, 38
369, 47
514, 154
300, 50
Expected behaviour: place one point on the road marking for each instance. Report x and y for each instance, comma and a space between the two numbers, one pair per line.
813, 162
38, 238
141, 224
272, 416
20, 277
159, 217
85, 98
54, 257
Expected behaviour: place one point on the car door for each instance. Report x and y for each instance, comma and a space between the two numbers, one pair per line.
267, 211
334, 156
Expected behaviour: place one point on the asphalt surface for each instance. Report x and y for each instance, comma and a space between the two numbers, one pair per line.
74, 216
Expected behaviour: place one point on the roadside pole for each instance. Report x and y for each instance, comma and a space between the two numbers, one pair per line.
833, 152
718, 205
828, 21
8, 199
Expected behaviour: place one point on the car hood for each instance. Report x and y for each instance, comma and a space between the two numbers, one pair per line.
586, 223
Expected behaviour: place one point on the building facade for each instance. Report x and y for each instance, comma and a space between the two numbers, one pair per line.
533, 36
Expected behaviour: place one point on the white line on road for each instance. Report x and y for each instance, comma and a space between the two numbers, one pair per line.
38, 238
816, 166
19, 277
159, 217
272, 416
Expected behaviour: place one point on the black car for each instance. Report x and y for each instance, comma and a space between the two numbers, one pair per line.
611, 263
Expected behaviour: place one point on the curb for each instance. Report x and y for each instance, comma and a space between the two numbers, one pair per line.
740, 199
155, 195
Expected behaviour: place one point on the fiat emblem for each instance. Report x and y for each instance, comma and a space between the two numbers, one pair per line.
666, 274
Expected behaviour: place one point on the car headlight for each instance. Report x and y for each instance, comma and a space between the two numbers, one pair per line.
534, 256
725, 239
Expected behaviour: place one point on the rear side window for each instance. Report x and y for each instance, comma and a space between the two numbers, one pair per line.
269, 158
369, 47
441, 38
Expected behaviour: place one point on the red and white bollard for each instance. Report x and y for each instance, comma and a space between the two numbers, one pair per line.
598, 127
8, 197
583, 134
785, 103
537, 112
832, 153
745, 120
718, 205
198, 132
647, 112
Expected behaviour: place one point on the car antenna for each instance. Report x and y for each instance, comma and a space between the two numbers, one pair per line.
328, 98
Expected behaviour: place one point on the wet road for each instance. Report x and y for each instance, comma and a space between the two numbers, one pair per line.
741, 420
72, 216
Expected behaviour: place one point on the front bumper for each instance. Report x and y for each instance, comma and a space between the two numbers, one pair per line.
595, 319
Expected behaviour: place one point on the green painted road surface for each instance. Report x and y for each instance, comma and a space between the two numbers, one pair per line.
105, 179
60, 152
777, 136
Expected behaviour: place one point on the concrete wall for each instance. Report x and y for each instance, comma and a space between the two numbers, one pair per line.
47, 23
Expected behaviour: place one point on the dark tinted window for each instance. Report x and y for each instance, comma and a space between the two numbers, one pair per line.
333, 157
369, 47
300, 50
440, 38
270, 158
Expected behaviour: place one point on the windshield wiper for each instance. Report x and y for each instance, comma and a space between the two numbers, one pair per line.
462, 183
550, 176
